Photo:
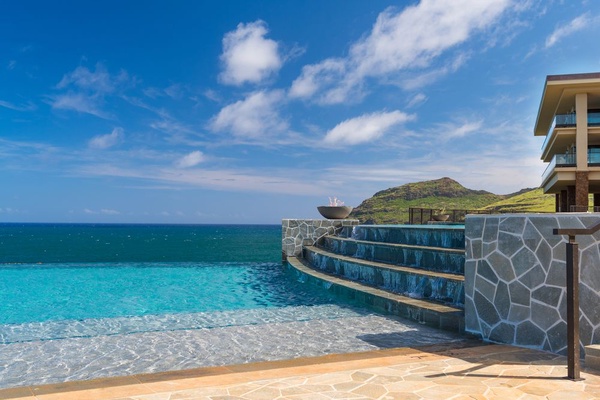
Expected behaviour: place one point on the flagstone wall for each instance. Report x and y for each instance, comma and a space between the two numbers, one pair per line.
298, 232
515, 273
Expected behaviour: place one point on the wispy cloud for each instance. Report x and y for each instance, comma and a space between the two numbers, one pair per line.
21, 107
254, 117
86, 90
190, 160
108, 140
409, 40
365, 128
575, 25
98, 81
103, 211
248, 56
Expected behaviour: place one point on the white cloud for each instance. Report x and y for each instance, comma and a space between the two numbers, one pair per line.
191, 159
451, 131
365, 128
80, 102
577, 24
103, 211
23, 107
108, 140
86, 90
409, 40
248, 56
99, 81
254, 117
417, 99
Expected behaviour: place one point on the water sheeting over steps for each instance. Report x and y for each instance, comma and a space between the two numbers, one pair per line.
408, 263
444, 288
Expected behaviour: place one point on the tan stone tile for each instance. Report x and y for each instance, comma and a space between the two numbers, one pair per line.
242, 389
570, 394
263, 393
402, 396
409, 386
546, 387
371, 391
360, 376
502, 393
347, 386
330, 379
318, 388
200, 392
155, 396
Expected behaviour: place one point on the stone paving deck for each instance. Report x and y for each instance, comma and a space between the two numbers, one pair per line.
444, 371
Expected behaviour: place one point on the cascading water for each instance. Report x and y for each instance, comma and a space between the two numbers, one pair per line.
434, 249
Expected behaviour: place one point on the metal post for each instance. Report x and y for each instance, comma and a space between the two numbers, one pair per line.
573, 309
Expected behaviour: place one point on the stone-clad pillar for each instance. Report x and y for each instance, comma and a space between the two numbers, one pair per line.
582, 191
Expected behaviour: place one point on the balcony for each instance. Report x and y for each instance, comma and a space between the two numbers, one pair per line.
570, 160
569, 121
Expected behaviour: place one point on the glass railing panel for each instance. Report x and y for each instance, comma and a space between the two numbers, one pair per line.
566, 160
594, 119
594, 156
562, 120
560, 160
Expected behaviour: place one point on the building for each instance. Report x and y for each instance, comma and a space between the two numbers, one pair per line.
569, 117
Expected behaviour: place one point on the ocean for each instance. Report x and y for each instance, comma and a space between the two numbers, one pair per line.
90, 243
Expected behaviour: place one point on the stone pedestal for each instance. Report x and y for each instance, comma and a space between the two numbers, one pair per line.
296, 233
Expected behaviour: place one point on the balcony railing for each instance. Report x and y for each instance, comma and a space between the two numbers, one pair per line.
560, 160
570, 160
570, 120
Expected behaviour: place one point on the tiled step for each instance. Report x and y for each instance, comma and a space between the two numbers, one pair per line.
451, 236
423, 257
426, 312
418, 283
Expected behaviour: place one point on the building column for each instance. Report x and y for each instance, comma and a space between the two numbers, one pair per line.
570, 198
581, 130
582, 190
557, 202
564, 202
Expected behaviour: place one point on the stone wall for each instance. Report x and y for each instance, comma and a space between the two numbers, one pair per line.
298, 232
515, 273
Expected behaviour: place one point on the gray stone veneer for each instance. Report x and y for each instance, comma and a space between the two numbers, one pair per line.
298, 232
515, 279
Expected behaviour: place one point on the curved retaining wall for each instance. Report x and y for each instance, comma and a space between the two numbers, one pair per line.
515, 273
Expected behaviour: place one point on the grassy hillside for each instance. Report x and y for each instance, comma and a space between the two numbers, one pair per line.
391, 206
533, 200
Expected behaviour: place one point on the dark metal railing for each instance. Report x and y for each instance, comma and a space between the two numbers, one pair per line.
573, 351
419, 215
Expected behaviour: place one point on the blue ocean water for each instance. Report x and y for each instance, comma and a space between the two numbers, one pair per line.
52, 272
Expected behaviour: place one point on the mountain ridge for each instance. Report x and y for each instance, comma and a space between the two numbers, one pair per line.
390, 206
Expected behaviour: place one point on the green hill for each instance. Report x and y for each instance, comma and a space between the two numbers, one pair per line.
391, 206
529, 200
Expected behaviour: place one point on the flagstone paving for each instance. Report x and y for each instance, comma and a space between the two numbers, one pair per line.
468, 370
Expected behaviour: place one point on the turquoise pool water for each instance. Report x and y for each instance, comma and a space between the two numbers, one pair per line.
59, 281
37, 293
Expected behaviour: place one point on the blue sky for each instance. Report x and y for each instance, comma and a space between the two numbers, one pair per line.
254, 111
